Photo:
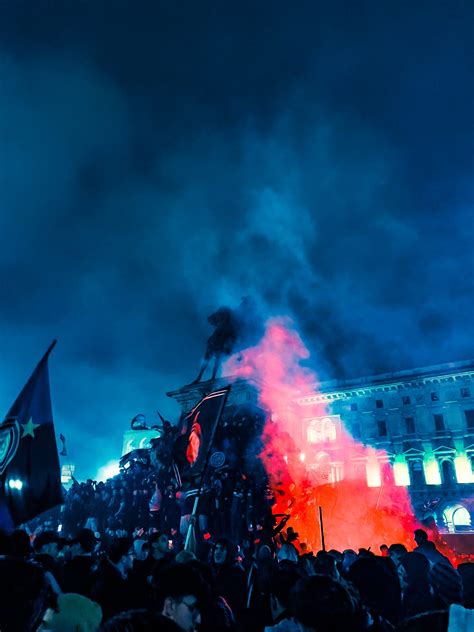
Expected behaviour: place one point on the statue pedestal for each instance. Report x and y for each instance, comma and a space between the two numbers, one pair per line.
242, 393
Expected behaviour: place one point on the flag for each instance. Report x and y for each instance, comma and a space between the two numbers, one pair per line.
198, 430
30, 476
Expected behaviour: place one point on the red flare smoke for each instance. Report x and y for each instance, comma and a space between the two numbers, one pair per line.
354, 514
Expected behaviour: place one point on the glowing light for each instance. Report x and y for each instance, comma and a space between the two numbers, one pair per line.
456, 516
373, 473
381, 512
321, 430
67, 472
463, 468
461, 517
302, 457
15, 484
400, 471
109, 470
431, 468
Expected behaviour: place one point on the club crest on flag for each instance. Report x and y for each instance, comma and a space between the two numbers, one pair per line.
217, 460
9, 442
28, 452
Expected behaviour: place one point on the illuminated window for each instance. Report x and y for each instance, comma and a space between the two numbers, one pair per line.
336, 473
373, 473
461, 518
321, 468
314, 433
321, 430
457, 518
67, 472
462, 465
400, 471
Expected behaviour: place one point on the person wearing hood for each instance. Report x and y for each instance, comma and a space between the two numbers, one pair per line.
229, 575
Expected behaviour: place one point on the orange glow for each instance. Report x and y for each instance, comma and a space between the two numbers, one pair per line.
355, 515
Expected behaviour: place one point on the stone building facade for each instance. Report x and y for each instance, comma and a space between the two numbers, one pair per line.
421, 420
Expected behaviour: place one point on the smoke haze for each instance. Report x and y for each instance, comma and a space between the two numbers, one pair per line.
161, 159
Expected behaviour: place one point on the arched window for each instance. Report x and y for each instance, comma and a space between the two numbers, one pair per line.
417, 477
321, 469
329, 430
457, 518
321, 430
461, 519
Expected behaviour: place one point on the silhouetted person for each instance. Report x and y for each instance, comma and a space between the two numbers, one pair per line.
25, 594
229, 576
77, 572
416, 590
110, 588
428, 548
323, 604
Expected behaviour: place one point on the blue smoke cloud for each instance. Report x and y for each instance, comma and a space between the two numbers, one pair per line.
160, 162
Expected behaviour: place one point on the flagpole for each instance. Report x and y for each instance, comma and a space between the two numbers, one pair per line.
321, 526
50, 348
192, 519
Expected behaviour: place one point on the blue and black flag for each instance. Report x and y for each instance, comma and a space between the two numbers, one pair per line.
29, 464
198, 431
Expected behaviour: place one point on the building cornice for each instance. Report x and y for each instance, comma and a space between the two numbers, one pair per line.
390, 382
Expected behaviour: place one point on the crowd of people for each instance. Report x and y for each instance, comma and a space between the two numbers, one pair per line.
231, 504
118, 577
114, 558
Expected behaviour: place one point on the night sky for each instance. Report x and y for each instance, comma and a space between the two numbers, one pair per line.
160, 159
